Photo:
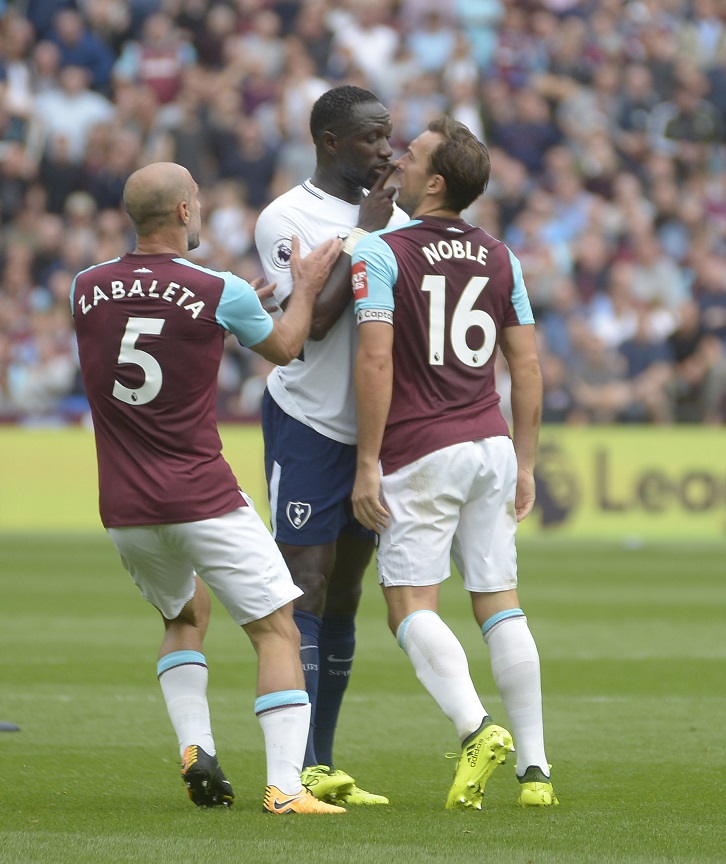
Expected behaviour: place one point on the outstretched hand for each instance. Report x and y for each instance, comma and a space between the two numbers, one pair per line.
312, 271
265, 292
377, 206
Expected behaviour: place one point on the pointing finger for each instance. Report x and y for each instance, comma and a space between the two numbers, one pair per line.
384, 176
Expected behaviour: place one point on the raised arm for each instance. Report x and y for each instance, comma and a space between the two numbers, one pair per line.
375, 211
289, 332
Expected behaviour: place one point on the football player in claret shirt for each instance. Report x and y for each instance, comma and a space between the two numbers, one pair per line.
150, 327
438, 475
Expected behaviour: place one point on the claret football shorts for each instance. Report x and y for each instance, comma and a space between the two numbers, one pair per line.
233, 554
457, 503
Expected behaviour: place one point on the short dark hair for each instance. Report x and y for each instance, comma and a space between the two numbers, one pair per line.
335, 107
462, 160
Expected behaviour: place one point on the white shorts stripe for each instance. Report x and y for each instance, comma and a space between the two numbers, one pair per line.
274, 493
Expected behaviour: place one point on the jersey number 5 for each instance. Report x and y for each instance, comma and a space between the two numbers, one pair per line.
129, 353
464, 318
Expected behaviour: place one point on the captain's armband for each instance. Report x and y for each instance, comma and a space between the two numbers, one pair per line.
384, 315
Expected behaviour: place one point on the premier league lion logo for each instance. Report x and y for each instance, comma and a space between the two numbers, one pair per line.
281, 254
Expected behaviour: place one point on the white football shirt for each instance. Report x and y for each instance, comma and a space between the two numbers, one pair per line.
318, 389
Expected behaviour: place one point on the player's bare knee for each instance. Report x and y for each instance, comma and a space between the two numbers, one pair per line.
278, 626
312, 580
195, 614
310, 567
312, 599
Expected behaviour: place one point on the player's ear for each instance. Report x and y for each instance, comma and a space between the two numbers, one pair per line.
436, 185
330, 142
184, 211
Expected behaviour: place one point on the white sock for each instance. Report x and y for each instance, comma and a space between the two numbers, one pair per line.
441, 666
185, 693
285, 721
515, 667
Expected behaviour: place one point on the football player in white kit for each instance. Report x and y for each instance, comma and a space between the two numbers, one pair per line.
309, 415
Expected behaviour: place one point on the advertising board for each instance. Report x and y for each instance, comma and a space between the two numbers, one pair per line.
626, 482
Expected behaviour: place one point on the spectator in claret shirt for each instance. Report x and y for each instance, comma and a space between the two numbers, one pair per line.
157, 60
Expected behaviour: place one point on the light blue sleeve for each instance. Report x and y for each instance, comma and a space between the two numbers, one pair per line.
381, 274
520, 298
241, 312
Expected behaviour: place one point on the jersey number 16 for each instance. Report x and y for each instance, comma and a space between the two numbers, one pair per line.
464, 318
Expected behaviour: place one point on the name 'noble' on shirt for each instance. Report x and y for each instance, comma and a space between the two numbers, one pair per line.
448, 249
119, 290
427, 275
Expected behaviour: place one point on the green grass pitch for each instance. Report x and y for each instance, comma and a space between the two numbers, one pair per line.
633, 649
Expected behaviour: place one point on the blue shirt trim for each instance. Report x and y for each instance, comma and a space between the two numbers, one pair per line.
403, 627
280, 699
520, 299
381, 272
499, 617
180, 658
72, 296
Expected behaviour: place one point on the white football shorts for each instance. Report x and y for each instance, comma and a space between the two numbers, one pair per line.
233, 554
457, 503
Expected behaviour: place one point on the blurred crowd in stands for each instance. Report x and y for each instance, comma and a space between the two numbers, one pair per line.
605, 121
